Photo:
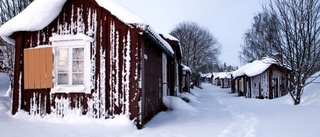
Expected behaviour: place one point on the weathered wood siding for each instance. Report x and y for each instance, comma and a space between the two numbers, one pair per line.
270, 84
115, 64
152, 98
260, 85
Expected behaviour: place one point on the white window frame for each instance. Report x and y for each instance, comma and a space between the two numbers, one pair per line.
72, 41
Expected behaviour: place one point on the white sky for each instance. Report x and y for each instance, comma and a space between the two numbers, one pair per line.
227, 20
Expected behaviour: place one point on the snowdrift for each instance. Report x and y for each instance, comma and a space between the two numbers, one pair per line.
311, 94
4, 84
176, 103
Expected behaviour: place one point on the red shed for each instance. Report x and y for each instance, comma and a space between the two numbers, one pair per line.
261, 79
88, 57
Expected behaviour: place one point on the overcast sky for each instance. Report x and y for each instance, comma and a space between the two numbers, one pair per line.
227, 20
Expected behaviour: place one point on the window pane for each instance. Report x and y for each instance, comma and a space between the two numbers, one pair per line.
63, 66
63, 59
63, 79
78, 53
75, 69
77, 79
63, 54
77, 66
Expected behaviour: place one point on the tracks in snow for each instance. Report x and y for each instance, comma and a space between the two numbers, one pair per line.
244, 123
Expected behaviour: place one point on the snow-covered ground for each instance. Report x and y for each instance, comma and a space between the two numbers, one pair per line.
211, 112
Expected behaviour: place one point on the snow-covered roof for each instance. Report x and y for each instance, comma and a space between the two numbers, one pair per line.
36, 16
169, 37
172, 38
121, 12
186, 68
40, 13
160, 40
222, 75
254, 68
205, 75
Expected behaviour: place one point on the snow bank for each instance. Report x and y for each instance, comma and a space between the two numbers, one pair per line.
120, 120
194, 93
311, 94
176, 103
191, 97
4, 84
4, 104
4, 87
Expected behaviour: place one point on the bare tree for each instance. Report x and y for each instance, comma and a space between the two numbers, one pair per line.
7, 58
292, 31
199, 47
300, 49
261, 39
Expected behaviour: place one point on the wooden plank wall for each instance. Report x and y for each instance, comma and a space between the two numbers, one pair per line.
153, 82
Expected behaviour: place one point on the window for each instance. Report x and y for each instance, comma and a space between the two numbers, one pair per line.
71, 63
70, 68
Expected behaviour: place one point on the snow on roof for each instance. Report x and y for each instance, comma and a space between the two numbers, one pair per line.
162, 42
205, 75
35, 17
40, 13
129, 17
186, 68
172, 38
254, 68
121, 12
223, 75
169, 37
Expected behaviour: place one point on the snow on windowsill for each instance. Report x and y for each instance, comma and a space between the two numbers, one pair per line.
69, 89
65, 38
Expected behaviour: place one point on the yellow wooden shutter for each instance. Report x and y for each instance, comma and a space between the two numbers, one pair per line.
38, 68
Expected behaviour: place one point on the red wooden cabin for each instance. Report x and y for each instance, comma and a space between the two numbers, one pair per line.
86, 58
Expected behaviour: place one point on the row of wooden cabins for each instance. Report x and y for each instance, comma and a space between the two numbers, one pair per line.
91, 57
263, 79
221, 79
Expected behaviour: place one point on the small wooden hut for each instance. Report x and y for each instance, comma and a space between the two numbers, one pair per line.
261, 79
88, 57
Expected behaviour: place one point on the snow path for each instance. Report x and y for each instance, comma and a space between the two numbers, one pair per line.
218, 114
215, 116
244, 122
